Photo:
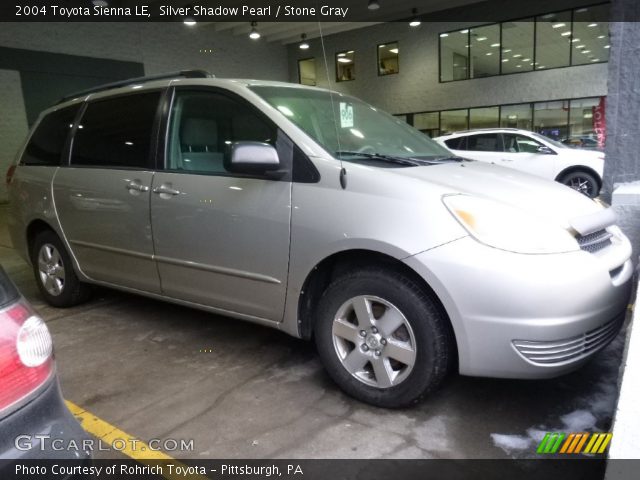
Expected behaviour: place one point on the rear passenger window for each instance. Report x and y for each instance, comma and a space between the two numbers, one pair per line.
204, 124
487, 142
48, 140
116, 132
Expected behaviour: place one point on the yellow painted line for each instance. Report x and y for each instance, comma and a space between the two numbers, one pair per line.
133, 447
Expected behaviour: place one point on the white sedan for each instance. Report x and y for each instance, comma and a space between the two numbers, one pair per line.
532, 153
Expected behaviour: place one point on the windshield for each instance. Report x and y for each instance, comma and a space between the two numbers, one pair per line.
346, 126
553, 142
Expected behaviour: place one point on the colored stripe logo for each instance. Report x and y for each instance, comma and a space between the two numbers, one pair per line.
583, 442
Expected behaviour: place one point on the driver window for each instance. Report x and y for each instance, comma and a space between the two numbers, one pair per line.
520, 144
487, 142
202, 127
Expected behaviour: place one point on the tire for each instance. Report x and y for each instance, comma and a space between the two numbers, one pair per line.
582, 182
54, 273
407, 347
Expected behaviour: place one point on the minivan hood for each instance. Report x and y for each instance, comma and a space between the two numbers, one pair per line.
540, 197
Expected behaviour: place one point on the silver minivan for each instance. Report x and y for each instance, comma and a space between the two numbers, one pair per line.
315, 213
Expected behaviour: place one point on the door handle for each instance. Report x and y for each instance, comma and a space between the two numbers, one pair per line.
166, 190
137, 187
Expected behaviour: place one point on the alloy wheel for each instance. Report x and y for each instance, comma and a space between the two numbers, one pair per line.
51, 269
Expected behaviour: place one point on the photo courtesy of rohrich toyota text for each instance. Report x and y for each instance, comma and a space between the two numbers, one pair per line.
319, 239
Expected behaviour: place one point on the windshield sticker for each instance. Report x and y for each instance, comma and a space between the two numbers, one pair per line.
346, 115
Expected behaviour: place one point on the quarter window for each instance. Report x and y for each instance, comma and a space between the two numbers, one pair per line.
204, 125
48, 140
116, 132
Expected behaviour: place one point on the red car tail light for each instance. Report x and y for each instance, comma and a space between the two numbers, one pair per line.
26, 354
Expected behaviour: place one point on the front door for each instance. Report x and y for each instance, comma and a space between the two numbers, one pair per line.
221, 239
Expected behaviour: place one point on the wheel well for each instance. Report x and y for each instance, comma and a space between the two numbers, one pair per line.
332, 267
580, 168
34, 229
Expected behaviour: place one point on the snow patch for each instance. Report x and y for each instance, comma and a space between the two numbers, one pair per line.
578, 421
508, 443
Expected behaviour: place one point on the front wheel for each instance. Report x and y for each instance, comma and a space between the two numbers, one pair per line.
582, 182
53, 269
382, 339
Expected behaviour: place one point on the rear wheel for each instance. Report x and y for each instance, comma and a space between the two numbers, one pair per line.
583, 182
382, 339
53, 269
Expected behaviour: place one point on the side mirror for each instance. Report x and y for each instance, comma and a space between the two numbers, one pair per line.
545, 150
252, 157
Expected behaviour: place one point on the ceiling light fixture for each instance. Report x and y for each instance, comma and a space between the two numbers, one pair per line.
304, 45
373, 5
464, 31
607, 46
591, 25
566, 34
495, 44
344, 60
189, 22
415, 21
254, 34
481, 39
394, 50
558, 25
442, 35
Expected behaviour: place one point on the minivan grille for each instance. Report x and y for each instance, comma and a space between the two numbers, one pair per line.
595, 241
559, 352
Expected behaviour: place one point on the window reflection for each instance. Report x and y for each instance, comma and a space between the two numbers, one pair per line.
454, 121
517, 46
484, 117
388, 55
516, 116
551, 119
428, 123
454, 53
553, 40
345, 67
590, 43
485, 51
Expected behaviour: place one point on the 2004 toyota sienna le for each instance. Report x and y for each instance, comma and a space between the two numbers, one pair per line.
315, 213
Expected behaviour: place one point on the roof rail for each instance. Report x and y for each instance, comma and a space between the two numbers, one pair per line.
131, 81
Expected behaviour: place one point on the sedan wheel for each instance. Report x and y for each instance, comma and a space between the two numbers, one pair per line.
51, 269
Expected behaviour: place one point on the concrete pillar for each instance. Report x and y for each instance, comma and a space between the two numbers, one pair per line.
622, 164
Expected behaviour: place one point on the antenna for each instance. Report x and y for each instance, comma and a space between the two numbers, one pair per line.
343, 171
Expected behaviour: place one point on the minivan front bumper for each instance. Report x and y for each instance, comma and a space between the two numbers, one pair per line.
526, 316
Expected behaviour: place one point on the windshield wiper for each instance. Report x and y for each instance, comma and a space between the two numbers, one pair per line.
386, 158
444, 159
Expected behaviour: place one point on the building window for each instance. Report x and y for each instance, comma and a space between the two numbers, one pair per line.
345, 66
517, 116
428, 123
551, 119
485, 51
388, 56
454, 121
517, 46
454, 55
553, 40
307, 71
484, 117
590, 42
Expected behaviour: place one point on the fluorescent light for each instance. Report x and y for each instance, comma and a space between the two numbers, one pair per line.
495, 44
285, 110
541, 67
304, 46
579, 46
586, 51
350, 51
481, 39
382, 46
607, 46
517, 55
601, 36
344, 60
442, 35
526, 59
591, 25
342, 54
466, 30
575, 39
558, 25
566, 34
393, 50
506, 50
505, 60
415, 23
373, 5
254, 34
189, 22
489, 54
595, 59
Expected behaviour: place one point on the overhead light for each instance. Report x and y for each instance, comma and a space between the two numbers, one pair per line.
373, 5
495, 44
382, 46
579, 46
526, 59
304, 45
607, 46
586, 51
592, 25
517, 55
601, 36
415, 21
394, 50
481, 39
566, 34
466, 30
189, 22
505, 60
506, 50
344, 60
488, 54
442, 35
254, 34
541, 67
342, 54
518, 66
575, 40
558, 25
595, 59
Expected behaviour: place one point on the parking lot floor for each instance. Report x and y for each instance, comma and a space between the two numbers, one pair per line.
238, 390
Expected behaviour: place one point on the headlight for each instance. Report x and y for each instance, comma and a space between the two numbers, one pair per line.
501, 226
